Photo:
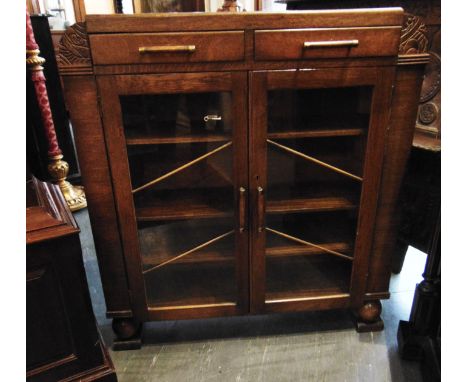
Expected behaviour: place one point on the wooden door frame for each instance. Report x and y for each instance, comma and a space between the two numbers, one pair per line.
110, 88
381, 79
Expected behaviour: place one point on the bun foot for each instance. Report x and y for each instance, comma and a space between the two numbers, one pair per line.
128, 334
368, 317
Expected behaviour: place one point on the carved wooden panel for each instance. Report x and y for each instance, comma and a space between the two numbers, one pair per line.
73, 51
417, 37
428, 124
413, 36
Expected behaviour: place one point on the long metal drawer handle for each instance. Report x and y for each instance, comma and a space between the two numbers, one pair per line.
241, 209
330, 44
260, 209
167, 49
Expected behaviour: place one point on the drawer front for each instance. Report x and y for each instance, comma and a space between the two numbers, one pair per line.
326, 43
149, 48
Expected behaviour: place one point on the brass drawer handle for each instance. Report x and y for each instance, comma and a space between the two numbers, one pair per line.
260, 209
212, 117
330, 44
167, 49
241, 209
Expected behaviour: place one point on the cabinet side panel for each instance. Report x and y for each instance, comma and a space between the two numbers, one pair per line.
400, 135
81, 98
61, 328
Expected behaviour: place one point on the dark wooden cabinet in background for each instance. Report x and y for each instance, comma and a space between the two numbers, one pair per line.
242, 163
62, 339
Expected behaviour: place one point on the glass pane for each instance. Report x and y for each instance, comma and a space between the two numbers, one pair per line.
309, 110
153, 161
198, 269
316, 150
180, 158
167, 118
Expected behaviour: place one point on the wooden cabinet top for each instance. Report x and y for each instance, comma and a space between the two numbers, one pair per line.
187, 42
167, 22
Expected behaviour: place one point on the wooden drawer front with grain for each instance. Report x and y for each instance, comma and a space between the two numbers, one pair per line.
146, 48
326, 43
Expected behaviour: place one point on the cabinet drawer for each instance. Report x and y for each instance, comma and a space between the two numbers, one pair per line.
148, 48
326, 43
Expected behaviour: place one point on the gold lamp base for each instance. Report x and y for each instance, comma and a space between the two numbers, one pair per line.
74, 195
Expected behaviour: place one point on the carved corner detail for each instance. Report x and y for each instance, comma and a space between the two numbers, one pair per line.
415, 49
413, 36
74, 55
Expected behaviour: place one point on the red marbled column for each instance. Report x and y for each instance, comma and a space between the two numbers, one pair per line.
38, 78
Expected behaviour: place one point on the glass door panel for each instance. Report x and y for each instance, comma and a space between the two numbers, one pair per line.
177, 118
308, 254
188, 262
203, 189
180, 156
316, 144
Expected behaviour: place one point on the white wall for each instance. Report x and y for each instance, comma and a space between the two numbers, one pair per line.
127, 6
99, 7
271, 6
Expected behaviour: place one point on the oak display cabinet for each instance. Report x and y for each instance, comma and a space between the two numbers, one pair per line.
241, 163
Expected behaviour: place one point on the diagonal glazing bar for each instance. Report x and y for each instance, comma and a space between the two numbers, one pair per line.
183, 167
197, 248
297, 240
315, 160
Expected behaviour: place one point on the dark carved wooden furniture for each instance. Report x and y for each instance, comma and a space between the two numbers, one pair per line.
62, 340
419, 201
419, 339
242, 163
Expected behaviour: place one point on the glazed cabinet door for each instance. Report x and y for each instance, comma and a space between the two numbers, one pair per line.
177, 148
316, 148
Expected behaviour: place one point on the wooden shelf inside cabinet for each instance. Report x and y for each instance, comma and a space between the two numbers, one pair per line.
202, 257
312, 199
161, 140
202, 240
224, 256
302, 250
206, 284
299, 294
310, 205
291, 279
149, 167
323, 233
322, 126
317, 133
184, 204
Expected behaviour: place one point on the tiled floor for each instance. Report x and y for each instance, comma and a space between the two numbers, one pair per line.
311, 346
